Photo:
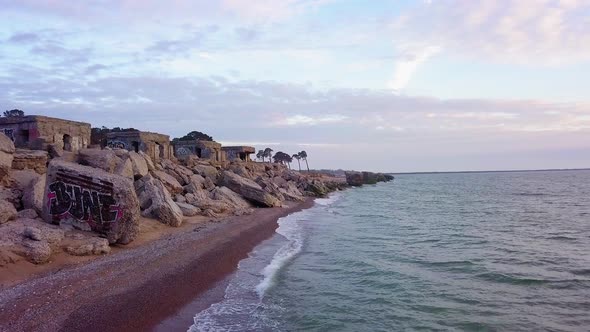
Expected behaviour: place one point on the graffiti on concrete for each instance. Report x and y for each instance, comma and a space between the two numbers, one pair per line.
83, 199
182, 151
117, 145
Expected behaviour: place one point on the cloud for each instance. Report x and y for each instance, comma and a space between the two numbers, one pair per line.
297, 120
540, 32
24, 37
407, 65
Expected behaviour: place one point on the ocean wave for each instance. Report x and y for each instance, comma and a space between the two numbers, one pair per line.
328, 200
290, 228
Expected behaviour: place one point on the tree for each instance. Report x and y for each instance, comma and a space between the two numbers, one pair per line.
195, 135
260, 155
268, 153
283, 158
298, 157
14, 113
303, 156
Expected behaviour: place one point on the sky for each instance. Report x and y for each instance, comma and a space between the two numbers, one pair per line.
382, 85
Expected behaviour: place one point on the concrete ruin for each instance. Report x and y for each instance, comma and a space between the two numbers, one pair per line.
37, 132
238, 152
156, 146
203, 149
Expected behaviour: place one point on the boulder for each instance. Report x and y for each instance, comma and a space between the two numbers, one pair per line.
156, 202
206, 171
148, 161
6, 155
12, 195
33, 195
35, 160
354, 179
23, 178
37, 252
188, 210
88, 246
249, 189
169, 182
28, 214
33, 233
91, 199
7, 212
55, 150
139, 165
230, 197
105, 159
124, 168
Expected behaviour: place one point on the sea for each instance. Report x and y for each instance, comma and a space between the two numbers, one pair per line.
497, 251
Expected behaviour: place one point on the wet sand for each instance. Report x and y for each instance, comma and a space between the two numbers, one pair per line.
159, 284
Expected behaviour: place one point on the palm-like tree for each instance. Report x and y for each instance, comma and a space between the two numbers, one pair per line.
268, 153
298, 157
260, 155
303, 156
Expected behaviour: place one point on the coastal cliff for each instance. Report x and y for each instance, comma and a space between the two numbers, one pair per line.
81, 203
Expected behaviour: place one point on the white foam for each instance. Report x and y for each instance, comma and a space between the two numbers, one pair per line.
328, 200
291, 229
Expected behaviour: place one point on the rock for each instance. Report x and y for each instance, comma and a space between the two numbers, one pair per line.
206, 171
33, 195
12, 195
317, 188
28, 214
6, 155
105, 159
169, 182
89, 246
190, 161
33, 233
7, 212
91, 199
139, 165
37, 252
23, 178
35, 160
230, 197
249, 189
180, 199
188, 210
150, 164
124, 168
156, 202
55, 150
354, 179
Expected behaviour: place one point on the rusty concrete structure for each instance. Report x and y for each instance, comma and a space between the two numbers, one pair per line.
238, 152
155, 145
203, 149
36, 132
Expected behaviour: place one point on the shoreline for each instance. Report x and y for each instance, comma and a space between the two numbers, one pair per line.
141, 288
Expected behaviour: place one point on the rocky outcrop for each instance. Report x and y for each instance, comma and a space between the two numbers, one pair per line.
356, 179
188, 210
91, 199
249, 189
105, 159
156, 202
35, 160
6, 156
80, 245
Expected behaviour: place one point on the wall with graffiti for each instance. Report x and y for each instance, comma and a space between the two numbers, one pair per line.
83, 199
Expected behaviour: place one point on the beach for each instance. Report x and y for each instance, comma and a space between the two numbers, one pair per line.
148, 282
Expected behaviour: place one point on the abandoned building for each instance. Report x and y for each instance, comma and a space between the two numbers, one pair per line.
37, 132
203, 149
238, 152
157, 146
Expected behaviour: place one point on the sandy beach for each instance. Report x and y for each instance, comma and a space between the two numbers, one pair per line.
155, 283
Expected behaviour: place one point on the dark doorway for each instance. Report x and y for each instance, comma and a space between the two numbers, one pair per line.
67, 142
161, 149
24, 136
243, 155
198, 152
135, 145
